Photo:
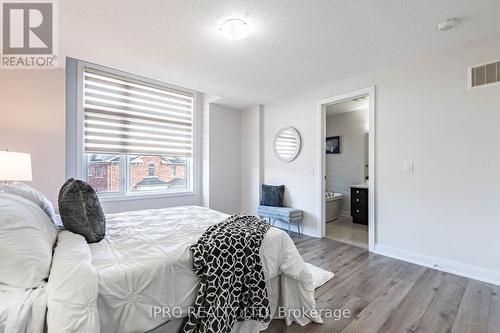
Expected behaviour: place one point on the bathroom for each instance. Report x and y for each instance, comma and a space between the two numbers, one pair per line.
346, 173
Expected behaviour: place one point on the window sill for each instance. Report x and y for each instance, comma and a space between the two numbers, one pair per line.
144, 196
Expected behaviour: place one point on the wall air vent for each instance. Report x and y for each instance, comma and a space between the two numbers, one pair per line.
484, 74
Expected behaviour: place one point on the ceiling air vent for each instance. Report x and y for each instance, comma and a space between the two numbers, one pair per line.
484, 74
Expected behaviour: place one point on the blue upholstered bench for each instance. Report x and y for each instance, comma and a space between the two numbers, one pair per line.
284, 214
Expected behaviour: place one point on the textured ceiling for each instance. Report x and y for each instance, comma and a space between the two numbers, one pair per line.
297, 45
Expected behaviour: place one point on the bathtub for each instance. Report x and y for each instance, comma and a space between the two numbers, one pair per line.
332, 206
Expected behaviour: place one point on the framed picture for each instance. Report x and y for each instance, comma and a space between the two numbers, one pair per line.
333, 145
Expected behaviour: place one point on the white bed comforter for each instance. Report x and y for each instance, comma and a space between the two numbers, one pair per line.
145, 262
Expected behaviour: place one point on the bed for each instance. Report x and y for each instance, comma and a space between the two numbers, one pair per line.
144, 266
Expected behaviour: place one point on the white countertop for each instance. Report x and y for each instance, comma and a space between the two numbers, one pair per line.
360, 186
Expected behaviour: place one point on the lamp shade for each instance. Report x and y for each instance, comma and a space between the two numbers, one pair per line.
15, 166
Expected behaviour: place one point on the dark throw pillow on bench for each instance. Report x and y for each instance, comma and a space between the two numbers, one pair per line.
81, 211
272, 195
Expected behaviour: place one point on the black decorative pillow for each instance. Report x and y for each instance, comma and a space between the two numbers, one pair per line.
272, 195
81, 211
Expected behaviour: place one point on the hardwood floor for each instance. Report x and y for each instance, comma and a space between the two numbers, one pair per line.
343, 230
388, 295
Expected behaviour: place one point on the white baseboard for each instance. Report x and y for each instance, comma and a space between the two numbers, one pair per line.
468, 271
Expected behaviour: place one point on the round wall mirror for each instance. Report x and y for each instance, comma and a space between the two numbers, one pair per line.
287, 144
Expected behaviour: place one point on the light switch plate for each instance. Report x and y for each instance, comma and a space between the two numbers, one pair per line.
408, 167
309, 172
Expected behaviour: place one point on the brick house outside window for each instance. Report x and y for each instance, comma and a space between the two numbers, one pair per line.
147, 172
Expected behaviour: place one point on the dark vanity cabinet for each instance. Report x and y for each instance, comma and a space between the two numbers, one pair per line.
359, 205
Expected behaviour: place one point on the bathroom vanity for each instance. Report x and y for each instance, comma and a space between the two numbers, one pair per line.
359, 204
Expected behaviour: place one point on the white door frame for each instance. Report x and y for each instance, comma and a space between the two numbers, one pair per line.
321, 159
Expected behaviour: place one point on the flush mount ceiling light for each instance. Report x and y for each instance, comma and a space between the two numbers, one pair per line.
447, 24
235, 29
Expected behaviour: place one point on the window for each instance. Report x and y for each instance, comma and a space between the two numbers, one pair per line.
99, 172
137, 134
155, 174
103, 172
151, 170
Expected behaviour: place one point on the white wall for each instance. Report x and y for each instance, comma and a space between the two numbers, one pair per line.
348, 167
448, 209
32, 120
205, 157
251, 158
300, 190
224, 159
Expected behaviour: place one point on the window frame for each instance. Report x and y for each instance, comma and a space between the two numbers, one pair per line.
125, 193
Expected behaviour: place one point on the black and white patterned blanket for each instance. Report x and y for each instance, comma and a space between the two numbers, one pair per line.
232, 286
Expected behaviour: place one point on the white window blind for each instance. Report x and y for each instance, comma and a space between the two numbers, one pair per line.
286, 143
128, 116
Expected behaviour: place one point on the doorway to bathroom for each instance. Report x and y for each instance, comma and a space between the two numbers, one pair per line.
347, 170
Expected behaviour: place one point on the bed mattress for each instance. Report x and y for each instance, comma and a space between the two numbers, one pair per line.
144, 264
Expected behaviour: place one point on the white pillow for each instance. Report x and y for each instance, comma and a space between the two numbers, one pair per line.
73, 287
27, 238
29, 193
